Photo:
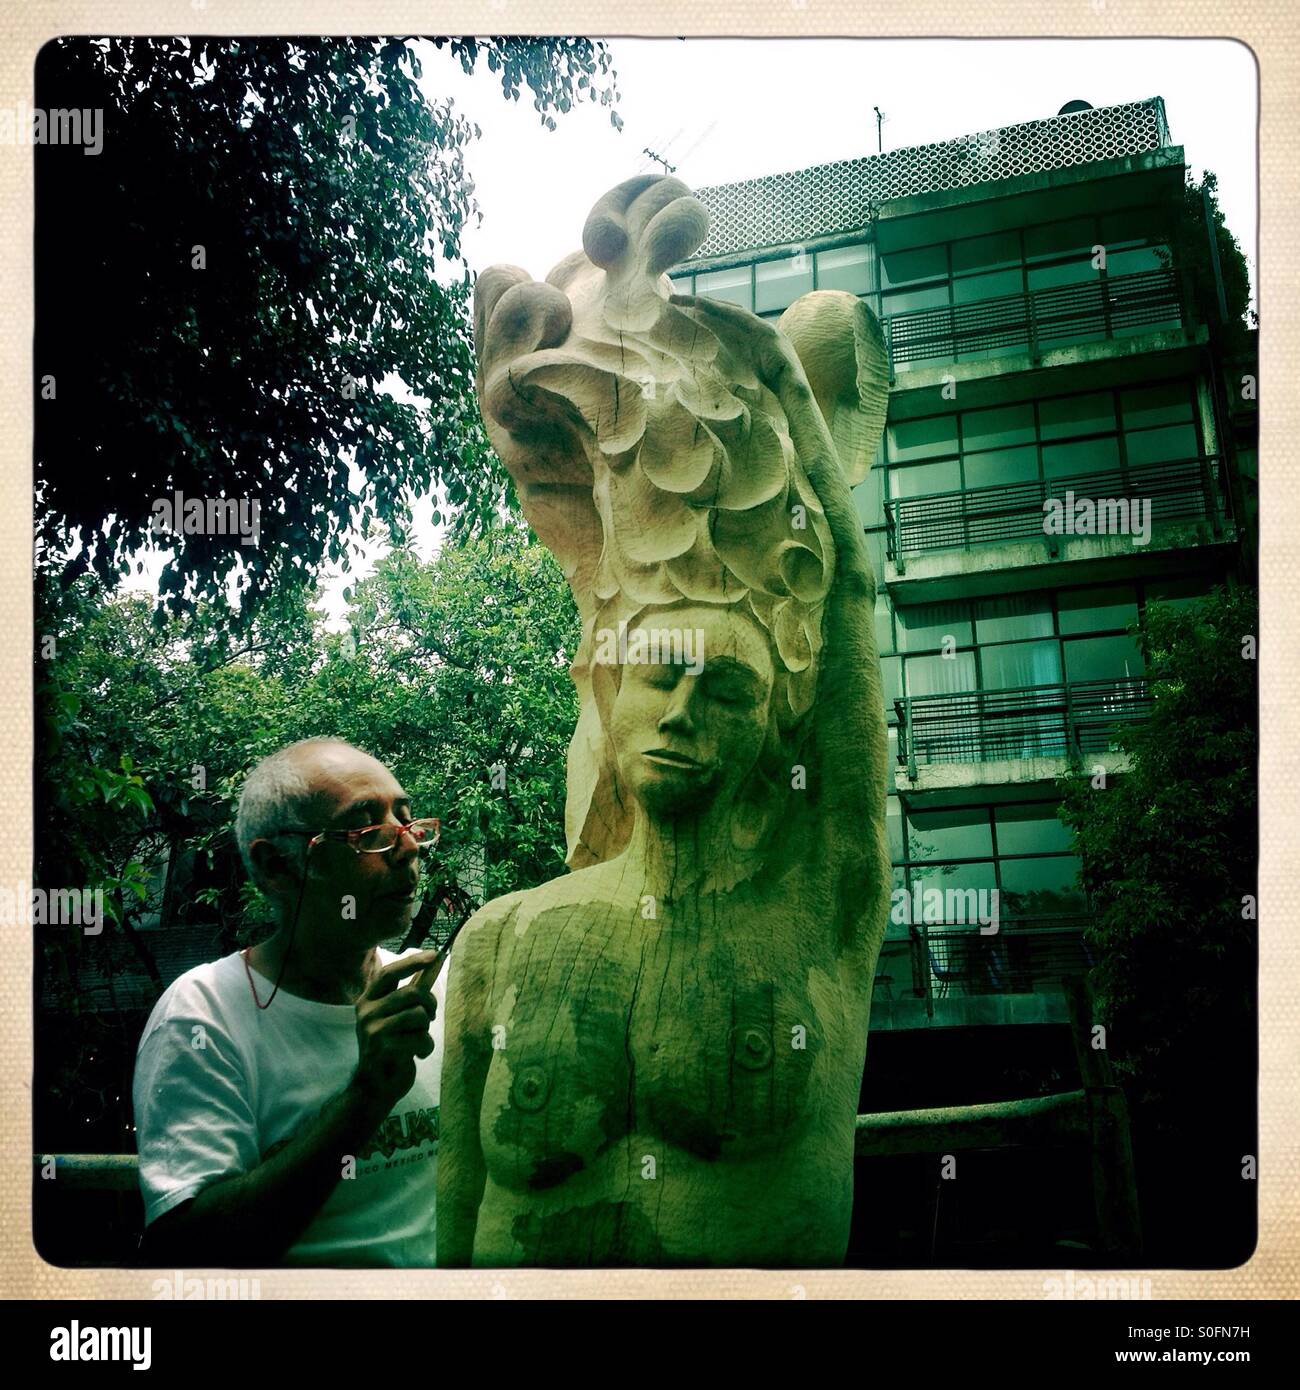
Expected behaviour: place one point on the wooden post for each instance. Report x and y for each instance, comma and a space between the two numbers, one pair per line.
1114, 1183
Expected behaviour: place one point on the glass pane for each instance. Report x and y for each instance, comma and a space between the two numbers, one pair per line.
1019, 664
1077, 272
1032, 829
1066, 417
1095, 610
846, 268
925, 625
1178, 593
997, 252
1014, 615
1102, 658
1087, 456
779, 283
876, 549
997, 428
884, 625
894, 828
1162, 445
1170, 403
1054, 239
907, 267
1130, 227
912, 301
997, 282
940, 675
1041, 887
730, 285
919, 439
683, 284
891, 680
868, 497
956, 877
960, 834
1137, 259
1002, 466
923, 478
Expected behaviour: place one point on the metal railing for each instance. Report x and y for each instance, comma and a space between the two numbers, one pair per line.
1178, 490
1018, 959
1037, 319
1036, 721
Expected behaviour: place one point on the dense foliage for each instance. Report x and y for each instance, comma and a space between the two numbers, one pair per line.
1169, 861
270, 232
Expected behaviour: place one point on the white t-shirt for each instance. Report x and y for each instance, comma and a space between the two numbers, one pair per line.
219, 1082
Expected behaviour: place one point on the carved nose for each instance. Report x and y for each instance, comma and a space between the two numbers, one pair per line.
678, 713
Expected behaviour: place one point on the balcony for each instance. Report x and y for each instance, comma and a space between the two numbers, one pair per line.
1181, 490
1055, 722
1037, 321
1189, 512
954, 976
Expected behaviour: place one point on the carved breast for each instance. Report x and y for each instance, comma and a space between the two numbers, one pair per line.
608, 1029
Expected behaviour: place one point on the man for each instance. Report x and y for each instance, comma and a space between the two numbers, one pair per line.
286, 1097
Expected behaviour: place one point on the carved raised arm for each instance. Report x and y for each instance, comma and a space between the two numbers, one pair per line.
845, 398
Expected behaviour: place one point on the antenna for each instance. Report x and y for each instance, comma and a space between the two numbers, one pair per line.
659, 159
880, 120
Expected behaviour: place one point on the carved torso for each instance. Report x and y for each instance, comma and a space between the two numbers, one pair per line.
592, 1102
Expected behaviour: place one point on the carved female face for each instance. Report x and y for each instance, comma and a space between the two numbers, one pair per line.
691, 714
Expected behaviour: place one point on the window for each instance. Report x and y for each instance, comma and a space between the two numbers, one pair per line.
1178, 593
908, 267
1031, 829
891, 681
998, 466
1069, 416
997, 428
1103, 658
894, 828
984, 253
777, 284
846, 268
732, 285
1081, 456
1164, 445
1169, 403
1096, 610
923, 478
962, 834
1055, 240
1041, 887
884, 624
971, 288
1075, 272
919, 439
1130, 227
1017, 664
912, 301
924, 626
1137, 259
1013, 616
940, 675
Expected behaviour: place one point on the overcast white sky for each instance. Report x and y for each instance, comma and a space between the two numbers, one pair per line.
727, 109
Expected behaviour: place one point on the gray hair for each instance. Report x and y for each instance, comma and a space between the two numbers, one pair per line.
276, 793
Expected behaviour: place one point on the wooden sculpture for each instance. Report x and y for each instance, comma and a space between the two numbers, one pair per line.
656, 1058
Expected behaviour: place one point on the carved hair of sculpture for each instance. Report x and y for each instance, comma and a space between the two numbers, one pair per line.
657, 466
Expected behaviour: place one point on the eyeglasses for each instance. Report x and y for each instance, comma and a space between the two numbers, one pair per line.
376, 839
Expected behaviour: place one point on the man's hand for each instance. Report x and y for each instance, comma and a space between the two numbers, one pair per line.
393, 1030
